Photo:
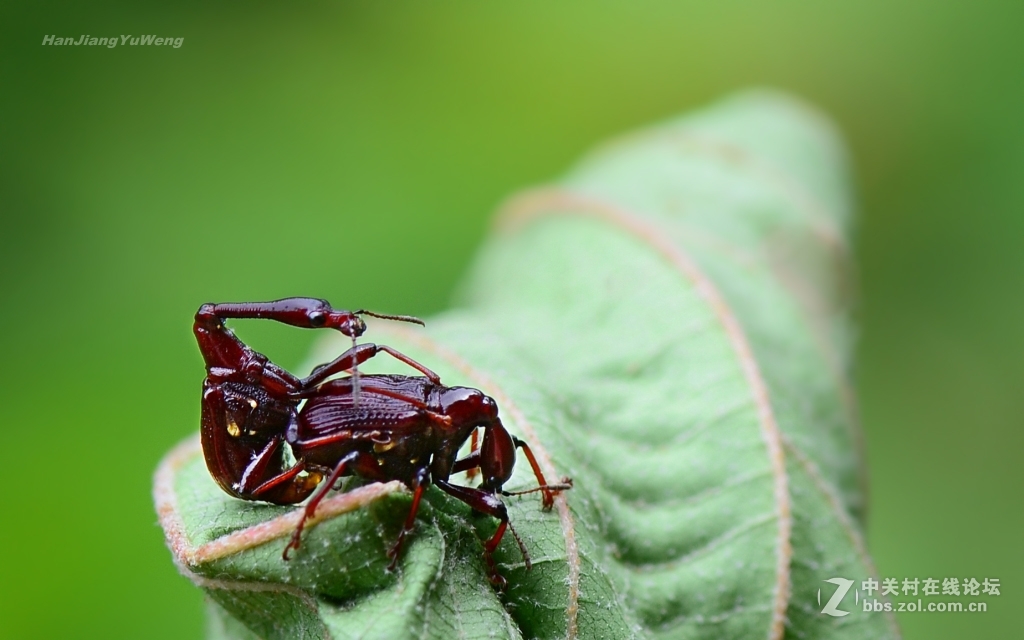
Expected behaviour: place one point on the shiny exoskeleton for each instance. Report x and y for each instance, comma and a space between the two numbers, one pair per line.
378, 427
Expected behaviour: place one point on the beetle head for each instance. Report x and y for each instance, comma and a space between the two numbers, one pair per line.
320, 314
348, 323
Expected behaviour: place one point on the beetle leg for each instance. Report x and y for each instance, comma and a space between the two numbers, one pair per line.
547, 495
489, 504
357, 355
311, 506
470, 462
398, 355
254, 474
284, 488
474, 447
352, 357
294, 490
420, 483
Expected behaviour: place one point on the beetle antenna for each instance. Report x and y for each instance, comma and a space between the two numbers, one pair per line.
385, 316
564, 485
522, 547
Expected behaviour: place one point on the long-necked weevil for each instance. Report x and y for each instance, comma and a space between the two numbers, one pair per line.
378, 427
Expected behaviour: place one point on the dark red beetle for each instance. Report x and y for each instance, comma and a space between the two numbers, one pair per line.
379, 427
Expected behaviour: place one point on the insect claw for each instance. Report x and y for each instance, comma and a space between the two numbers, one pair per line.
293, 544
393, 554
498, 581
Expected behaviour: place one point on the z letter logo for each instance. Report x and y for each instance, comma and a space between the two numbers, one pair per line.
830, 607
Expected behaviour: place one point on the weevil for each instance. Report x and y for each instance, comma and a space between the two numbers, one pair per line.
378, 427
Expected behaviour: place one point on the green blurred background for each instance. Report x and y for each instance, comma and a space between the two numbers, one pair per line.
354, 151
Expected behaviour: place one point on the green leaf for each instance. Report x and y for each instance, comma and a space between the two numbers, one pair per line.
668, 326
